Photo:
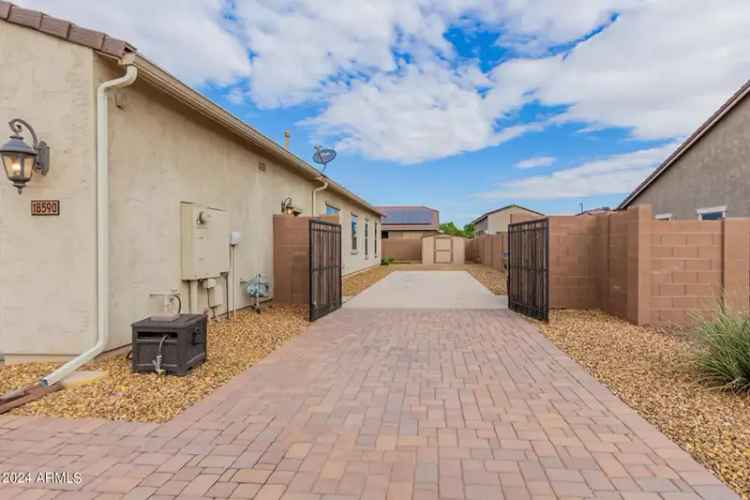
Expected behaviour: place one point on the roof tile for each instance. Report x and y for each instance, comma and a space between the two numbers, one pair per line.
116, 47
54, 26
87, 37
25, 17
64, 29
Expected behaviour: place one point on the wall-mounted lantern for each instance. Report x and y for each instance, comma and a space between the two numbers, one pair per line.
288, 208
19, 159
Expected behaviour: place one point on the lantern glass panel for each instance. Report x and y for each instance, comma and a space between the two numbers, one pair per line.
18, 166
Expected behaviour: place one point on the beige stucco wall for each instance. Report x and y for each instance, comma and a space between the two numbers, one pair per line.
161, 154
498, 222
47, 275
714, 172
358, 260
481, 226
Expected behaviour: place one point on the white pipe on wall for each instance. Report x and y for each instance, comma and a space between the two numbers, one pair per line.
235, 284
315, 194
193, 296
102, 228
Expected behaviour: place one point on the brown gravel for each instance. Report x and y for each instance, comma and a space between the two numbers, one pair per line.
491, 278
654, 372
233, 346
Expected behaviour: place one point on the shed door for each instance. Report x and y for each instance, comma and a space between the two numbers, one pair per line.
443, 250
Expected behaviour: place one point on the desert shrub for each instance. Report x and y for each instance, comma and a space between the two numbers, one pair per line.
725, 355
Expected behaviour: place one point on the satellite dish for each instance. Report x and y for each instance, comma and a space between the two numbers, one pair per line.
324, 156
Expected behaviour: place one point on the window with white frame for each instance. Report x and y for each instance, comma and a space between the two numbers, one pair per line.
663, 216
355, 220
712, 213
331, 210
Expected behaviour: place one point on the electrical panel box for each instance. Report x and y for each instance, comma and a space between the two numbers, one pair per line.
205, 241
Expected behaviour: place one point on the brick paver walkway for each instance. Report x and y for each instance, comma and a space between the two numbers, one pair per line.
372, 405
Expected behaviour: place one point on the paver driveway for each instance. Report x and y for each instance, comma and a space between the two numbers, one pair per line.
376, 404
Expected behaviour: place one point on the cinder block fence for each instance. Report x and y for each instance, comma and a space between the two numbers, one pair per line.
648, 271
403, 248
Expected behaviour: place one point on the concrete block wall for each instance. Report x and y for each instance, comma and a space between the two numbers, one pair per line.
291, 257
649, 271
686, 269
574, 248
403, 248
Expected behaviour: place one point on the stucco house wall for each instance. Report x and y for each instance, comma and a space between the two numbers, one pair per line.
497, 221
712, 173
355, 260
481, 227
162, 153
47, 293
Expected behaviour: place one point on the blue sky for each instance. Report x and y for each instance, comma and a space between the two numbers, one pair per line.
462, 105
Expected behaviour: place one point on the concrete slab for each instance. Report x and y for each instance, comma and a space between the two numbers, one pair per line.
428, 290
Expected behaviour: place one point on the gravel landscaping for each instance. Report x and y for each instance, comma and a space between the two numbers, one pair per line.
655, 373
233, 346
491, 278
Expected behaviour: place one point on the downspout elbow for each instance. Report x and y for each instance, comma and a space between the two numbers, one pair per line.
323, 187
102, 229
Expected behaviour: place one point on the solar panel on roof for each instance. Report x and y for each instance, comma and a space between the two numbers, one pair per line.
408, 216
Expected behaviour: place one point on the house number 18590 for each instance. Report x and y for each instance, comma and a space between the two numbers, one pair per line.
45, 207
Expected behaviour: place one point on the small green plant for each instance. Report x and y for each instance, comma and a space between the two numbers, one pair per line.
725, 357
387, 261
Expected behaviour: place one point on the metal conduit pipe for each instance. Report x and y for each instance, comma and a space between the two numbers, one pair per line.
102, 228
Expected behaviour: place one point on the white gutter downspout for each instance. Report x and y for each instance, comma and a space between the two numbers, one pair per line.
315, 194
102, 229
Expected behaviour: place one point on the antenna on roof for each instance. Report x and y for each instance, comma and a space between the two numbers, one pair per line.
324, 156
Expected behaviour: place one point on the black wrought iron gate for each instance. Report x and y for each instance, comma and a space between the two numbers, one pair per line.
528, 268
325, 268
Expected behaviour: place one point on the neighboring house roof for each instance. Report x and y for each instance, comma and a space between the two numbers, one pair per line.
506, 207
410, 218
164, 81
595, 211
696, 136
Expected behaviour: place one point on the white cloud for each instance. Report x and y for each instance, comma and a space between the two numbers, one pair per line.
660, 69
645, 72
534, 25
191, 38
305, 49
391, 86
616, 174
537, 161
417, 114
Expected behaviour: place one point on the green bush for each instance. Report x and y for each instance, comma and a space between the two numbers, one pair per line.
387, 261
725, 357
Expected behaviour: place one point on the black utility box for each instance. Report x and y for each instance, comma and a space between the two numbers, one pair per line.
181, 342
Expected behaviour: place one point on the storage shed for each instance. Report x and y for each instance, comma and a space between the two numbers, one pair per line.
443, 249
